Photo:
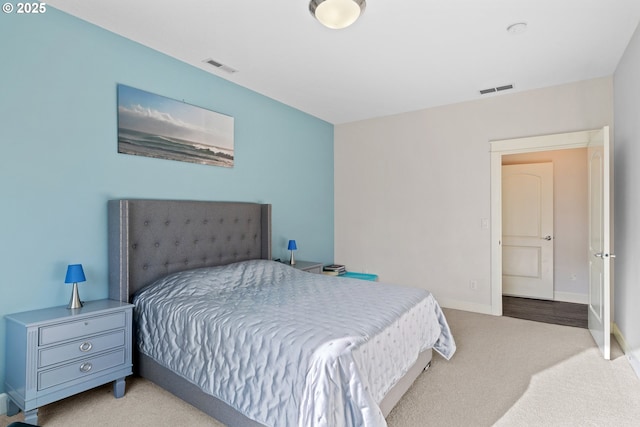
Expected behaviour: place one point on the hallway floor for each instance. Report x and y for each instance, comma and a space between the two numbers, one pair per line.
556, 312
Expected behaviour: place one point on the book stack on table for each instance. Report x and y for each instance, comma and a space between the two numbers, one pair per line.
334, 269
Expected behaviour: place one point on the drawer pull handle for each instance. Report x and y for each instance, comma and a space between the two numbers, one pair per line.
85, 367
86, 346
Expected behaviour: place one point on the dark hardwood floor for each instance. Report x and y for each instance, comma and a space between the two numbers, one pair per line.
556, 312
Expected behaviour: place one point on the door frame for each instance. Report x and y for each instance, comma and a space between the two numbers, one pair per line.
561, 141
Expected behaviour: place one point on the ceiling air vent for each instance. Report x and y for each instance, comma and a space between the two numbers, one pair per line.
220, 66
495, 89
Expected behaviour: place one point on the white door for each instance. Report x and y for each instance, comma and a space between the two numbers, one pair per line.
599, 240
527, 230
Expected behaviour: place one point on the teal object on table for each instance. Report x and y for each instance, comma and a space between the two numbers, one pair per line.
361, 276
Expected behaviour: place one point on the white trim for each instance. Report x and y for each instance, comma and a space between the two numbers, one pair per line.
530, 144
635, 363
464, 305
631, 357
3, 403
618, 335
512, 146
571, 297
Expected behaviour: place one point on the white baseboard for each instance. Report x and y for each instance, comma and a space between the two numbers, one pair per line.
464, 306
618, 335
571, 297
631, 356
3, 403
635, 363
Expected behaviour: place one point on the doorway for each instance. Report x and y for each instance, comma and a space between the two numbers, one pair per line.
522, 147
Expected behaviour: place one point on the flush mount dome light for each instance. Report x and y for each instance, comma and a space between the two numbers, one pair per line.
337, 14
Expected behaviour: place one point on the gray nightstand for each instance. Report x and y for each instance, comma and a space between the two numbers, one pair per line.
309, 266
56, 352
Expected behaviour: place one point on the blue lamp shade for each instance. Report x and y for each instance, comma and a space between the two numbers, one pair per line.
292, 245
75, 274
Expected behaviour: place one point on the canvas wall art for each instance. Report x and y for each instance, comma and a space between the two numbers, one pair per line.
155, 126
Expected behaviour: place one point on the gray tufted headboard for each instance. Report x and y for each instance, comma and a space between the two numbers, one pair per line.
151, 238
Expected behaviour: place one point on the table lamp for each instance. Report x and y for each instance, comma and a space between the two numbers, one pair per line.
292, 247
75, 274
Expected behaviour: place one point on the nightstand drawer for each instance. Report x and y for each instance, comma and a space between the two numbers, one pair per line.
87, 326
80, 348
80, 369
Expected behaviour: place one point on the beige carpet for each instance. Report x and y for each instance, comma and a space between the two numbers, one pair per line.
506, 372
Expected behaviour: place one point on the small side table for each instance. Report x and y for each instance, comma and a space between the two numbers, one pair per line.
56, 352
308, 266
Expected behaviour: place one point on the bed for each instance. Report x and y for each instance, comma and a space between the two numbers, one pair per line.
197, 272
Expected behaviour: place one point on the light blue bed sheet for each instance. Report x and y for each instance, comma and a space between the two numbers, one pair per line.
287, 347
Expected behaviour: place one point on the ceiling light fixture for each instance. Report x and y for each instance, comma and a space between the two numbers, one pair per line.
337, 14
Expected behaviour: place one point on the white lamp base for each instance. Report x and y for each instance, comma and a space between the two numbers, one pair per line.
292, 261
75, 302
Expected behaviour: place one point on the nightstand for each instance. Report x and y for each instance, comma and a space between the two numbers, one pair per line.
56, 352
308, 266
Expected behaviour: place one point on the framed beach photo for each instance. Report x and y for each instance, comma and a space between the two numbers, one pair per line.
155, 126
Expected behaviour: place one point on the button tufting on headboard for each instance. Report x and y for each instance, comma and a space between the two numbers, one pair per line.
141, 233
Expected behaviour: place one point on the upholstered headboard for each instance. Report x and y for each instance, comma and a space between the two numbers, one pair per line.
151, 238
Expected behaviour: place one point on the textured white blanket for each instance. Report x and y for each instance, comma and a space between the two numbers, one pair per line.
286, 347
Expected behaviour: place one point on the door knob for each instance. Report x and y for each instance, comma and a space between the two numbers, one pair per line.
546, 238
603, 255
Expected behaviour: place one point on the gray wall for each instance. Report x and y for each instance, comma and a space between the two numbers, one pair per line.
411, 190
627, 198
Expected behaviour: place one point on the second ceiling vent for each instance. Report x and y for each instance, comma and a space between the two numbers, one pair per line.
495, 89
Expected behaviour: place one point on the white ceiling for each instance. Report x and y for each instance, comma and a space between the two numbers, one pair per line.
401, 55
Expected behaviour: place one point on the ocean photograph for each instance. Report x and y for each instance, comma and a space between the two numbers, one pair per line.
155, 126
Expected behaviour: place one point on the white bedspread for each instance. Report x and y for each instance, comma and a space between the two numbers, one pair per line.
286, 347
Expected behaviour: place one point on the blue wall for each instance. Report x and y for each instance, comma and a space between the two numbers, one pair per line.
59, 162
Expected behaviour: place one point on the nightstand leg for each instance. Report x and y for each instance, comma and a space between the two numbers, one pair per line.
31, 417
118, 388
